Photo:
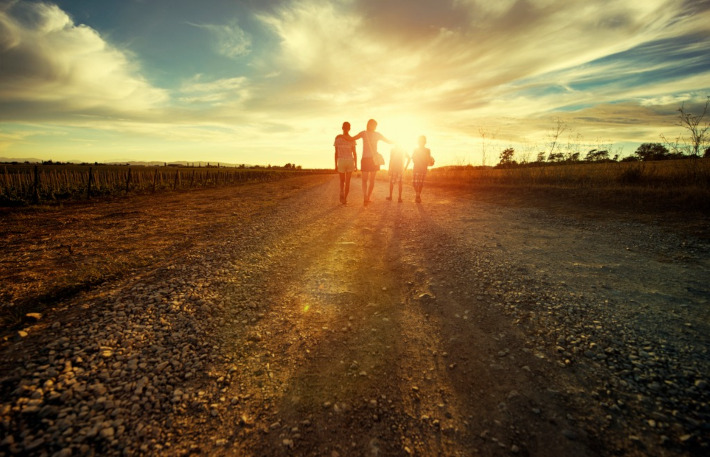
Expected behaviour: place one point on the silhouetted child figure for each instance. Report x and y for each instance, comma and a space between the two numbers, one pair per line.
422, 159
397, 168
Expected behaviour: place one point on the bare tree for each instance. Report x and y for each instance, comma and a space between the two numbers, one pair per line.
675, 146
692, 123
555, 133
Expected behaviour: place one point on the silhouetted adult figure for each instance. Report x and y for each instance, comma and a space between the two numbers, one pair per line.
345, 160
368, 165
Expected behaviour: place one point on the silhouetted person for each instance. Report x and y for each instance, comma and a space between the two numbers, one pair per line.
367, 163
345, 160
396, 169
421, 157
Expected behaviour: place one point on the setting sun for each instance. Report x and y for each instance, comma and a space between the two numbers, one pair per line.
404, 130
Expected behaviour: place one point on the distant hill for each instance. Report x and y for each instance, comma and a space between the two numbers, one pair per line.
7, 160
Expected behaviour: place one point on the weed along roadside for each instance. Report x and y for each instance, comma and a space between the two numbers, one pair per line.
682, 185
468, 324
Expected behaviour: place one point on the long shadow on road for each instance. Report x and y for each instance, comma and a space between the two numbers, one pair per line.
366, 348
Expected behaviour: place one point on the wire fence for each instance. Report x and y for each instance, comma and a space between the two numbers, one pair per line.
23, 184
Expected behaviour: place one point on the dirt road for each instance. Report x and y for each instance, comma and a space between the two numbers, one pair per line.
282, 323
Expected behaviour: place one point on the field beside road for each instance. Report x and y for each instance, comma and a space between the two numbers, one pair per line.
268, 319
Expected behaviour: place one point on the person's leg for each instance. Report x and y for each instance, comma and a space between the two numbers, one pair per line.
342, 186
371, 187
364, 185
391, 187
348, 176
421, 185
400, 189
417, 187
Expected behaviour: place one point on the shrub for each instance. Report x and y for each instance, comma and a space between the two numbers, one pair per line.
652, 151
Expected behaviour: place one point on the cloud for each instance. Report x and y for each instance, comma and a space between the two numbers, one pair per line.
214, 92
460, 54
230, 40
328, 58
51, 65
513, 66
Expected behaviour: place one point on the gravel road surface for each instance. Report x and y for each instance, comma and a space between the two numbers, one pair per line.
271, 320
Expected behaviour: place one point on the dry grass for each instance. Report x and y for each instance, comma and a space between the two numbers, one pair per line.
678, 185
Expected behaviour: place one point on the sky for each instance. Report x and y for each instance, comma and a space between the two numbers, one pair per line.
271, 81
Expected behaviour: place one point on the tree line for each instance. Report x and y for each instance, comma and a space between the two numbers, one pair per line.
692, 143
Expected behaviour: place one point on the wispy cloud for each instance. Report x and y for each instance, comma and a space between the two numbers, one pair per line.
467, 54
214, 92
229, 40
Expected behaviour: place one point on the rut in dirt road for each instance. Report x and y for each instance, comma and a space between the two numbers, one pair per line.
454, 327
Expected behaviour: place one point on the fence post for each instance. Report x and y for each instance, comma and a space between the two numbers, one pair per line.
35, 189
88, 186
128, 180
155, 179
175, 183
192, 178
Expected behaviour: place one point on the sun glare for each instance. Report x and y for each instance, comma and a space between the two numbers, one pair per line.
403, 130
